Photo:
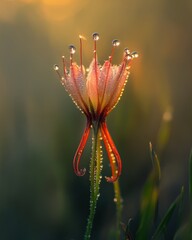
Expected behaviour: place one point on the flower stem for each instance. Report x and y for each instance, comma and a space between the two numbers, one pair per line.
95, 178
119, 207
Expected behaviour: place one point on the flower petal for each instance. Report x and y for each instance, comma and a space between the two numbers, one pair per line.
106, 76
120, 77
116, 166
92, 83
76, 87
78, 154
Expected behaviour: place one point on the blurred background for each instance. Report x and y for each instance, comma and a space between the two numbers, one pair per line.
40, 128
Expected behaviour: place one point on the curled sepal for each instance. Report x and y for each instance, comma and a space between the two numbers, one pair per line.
78, 154
113, 155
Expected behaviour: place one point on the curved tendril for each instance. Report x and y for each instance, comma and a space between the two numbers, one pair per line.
111, 150
78, 154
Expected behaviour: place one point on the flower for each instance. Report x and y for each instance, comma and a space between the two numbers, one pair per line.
96, 93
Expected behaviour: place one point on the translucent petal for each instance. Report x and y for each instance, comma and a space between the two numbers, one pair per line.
120, 77
92, 83
76, 87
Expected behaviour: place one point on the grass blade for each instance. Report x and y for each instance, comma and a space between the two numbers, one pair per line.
164, 222
149, 198
190, 177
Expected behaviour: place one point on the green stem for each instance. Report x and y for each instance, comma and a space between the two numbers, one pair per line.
119, 207
95, 178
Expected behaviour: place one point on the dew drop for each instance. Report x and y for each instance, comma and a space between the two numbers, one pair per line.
115, 43
126, 51
128, 56
95, 36
72, 49
56, 67
134, 55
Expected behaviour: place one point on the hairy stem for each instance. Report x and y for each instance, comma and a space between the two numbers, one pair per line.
119, 207
95, 178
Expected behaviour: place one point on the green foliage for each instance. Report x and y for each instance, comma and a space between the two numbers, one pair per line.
190, 177
127, 231
185, 231
149, 198
149, 202
165, 220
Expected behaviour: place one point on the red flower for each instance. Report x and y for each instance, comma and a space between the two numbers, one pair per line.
96, 93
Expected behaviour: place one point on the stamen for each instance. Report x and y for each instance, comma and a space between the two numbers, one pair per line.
64, 67
95, 38
81, 51
72, 52
56, 69
115, 43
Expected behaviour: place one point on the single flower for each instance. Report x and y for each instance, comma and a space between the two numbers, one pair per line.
96, 92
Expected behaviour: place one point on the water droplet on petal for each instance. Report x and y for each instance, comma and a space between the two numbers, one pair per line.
72, 49
134, 55
126, 51
56, 67
95, 36
115, 43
